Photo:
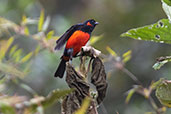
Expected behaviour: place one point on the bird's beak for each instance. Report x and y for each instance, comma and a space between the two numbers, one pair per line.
96, 23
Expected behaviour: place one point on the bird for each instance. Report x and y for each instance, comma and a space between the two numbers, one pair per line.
76, 36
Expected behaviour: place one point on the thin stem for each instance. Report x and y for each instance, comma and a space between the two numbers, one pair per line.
155, 107
2, 76
131, 75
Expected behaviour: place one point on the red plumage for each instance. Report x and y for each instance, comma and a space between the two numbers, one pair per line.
77, 40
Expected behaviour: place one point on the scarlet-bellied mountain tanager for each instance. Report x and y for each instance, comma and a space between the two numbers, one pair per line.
76, 37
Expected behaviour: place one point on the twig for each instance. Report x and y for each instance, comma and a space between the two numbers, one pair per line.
131, 75
155, 107
2, 76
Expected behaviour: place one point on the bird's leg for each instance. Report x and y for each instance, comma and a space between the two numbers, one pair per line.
79, 55
70, 53
81, 62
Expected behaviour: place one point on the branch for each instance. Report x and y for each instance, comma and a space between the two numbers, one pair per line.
77, 81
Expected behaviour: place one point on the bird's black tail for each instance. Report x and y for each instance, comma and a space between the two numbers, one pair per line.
61, 69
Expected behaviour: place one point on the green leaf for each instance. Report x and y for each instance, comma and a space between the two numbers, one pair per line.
9, 69
41, 21
37, 49
50, 35
26, 58
52, 98
17, 55
26, 31
26, 70
2, 79
130, 94
2, 83
12, 50
161, 61
4, 48
157, 83
158, 65
8, 102
166, 4
6, 109
158, 32
163, 93
28, 88
112, 52
84, 106
24, 20
127, 56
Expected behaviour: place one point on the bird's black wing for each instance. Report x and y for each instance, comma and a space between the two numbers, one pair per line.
61, 41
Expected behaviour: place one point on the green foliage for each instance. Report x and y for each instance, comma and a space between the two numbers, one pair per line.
130, 94
54, 96
163, 93
112, 52
45, 102
28, 21
168, 2
8, 102
26, 58
126, 56
154, 85
41, 21
4, 47
15, 57
28, 88
9, 69
84, 106
123, 59
161, 61
5, 25
50, 34
158, 32
6, 109
158, 65
39, 103
14, 65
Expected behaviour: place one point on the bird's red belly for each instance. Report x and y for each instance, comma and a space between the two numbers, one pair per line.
77, 40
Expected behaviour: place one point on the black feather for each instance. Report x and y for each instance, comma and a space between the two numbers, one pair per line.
61, 69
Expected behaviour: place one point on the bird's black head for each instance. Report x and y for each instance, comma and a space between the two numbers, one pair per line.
89, 25
91, 22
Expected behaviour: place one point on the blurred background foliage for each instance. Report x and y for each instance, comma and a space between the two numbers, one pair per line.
33, 41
